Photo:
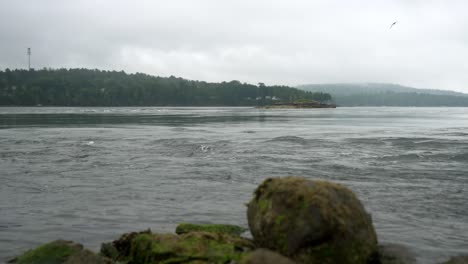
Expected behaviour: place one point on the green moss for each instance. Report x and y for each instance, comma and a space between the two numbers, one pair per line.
203, 247
141, 249
51, 253
280, 219
119, 250
212, 228
264, 205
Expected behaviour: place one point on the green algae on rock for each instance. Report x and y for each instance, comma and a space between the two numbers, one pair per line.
212, 228
193, 247
119, 250
59, 251
311, 221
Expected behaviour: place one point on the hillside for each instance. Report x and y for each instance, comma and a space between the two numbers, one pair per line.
85, 87
381, 94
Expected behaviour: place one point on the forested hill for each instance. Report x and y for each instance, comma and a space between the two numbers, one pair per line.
84, 87
382, 94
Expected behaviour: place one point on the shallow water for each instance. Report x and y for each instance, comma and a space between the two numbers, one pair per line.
90, 174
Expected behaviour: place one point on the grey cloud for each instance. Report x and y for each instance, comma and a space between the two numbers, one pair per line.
277, 42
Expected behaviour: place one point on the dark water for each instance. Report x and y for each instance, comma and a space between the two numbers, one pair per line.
90, 174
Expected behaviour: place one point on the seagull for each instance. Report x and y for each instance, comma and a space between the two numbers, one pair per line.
393, 24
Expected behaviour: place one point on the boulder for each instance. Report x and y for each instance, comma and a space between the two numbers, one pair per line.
58, 252
212, 228
265, 256
311, 221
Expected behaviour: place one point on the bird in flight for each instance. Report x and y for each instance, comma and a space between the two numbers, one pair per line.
393, 24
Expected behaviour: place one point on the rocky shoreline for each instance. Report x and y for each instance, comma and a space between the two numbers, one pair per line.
291, 219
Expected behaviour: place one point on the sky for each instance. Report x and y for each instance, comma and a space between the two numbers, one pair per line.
288, 42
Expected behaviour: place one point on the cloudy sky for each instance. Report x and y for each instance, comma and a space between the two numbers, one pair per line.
277, 42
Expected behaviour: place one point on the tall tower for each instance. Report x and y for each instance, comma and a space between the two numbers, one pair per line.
29, 59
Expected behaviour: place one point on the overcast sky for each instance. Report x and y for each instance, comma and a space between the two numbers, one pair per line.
277, 42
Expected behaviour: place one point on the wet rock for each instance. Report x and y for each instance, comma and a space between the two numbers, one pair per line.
58, 252
265, 256
458, 260
311, 221
192, 247
201, 247
119, 250
108, 250
395, 254
212, 228
86, 257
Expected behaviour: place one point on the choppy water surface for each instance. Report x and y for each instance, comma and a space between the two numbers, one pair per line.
90, 174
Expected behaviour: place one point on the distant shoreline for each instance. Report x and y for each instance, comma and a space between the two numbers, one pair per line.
233, 106
298, 106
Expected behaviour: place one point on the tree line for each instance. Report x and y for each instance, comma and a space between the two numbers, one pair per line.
87, 87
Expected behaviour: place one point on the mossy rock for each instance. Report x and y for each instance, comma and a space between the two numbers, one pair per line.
58, 252
211, 228
199, 247
311, 221
193, 247
265, 256
119, 249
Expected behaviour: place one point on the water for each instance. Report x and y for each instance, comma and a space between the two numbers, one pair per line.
90, 174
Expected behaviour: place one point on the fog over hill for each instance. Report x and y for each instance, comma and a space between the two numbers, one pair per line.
385, 94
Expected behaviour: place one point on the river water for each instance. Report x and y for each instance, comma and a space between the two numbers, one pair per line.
90, 174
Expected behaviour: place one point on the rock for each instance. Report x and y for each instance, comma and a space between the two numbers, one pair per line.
60, 251
192, 247
395, 254
212, 228
311, 221
86, 257
457, 260
108, 250
119, 249
265, 256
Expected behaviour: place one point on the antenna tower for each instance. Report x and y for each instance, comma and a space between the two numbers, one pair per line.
29, 59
